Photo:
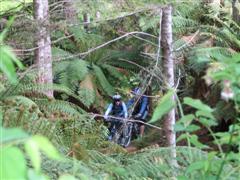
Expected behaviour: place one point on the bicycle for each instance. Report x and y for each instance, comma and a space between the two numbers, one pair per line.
121, 132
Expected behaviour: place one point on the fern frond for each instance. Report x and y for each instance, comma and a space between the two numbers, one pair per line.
58, 53
199, 57
65, 107
112, 71
106, 86
182, 24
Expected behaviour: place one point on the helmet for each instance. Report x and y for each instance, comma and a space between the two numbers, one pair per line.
116, 97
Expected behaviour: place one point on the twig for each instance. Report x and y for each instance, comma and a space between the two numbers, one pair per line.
53, 42
188, 42
105, 44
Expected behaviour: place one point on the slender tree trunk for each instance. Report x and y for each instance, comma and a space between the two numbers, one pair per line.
43, 57
236, 11
168, 66
86, 19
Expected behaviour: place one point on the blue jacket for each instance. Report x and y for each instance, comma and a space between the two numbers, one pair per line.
143, 103
120, 111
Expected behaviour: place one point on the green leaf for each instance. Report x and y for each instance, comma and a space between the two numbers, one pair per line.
179, 127
45, 145
204, 114
32, 150
182, 178
9, 23
207, 122
186, 120
32, 175
69, 177
165, 104
12, 56
194, 140
106, 86
7, 66
182, 136
192, 128
9, 135
13, 164
197, 104
195, 166
1, 122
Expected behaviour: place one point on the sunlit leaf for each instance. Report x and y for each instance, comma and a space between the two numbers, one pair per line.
13, 164
196, 103
45, 145
33, 152
9, 135
165, 104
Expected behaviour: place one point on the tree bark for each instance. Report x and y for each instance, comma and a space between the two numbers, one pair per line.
235, 11
168, 67
43, 55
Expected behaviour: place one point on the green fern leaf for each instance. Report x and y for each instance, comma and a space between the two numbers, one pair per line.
106, 86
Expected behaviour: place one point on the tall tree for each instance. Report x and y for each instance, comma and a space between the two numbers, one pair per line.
43, 56
168, 66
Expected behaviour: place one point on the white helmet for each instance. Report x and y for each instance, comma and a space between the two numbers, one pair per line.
116, 97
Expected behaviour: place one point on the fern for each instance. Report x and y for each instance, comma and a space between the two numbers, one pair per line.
200, 57
59, 53
88, 96
182, 25
112, 71
106, 86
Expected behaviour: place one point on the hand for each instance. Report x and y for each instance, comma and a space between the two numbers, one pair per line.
105, 117
138, 116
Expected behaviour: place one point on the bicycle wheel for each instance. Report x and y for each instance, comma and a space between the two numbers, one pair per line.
126, 135
117, 135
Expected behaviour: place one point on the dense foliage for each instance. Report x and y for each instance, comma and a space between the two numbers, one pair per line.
108, 47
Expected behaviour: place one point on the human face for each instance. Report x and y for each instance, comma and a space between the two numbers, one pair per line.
118, 102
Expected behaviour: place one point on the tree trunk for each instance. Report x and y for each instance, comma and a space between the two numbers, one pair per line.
168, 67
43, 56
235, 11
86, 19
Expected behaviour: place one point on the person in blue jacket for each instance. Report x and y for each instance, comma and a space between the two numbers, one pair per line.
118, 109
140, 105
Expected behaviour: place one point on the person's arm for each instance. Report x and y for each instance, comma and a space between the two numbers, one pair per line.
143, 105
130, 103
109, 109
125, 110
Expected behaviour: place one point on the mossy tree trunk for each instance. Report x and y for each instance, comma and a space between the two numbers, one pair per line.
168, 66
43, 55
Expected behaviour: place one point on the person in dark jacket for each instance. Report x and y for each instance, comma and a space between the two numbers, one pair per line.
140, 103
118, 109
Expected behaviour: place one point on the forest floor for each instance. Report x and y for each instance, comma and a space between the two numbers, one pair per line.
155, 138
